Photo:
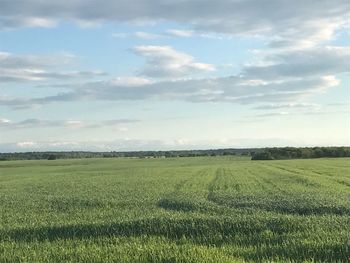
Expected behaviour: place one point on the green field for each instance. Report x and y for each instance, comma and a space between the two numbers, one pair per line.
214, 209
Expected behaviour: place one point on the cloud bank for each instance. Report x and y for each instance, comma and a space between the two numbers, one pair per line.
275, 17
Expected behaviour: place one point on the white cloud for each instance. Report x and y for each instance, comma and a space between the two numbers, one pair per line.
164, 61
4, 121
27, 144
38, 22
180, 33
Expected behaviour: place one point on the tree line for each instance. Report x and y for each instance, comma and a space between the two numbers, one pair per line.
255, 153
115, 154
301, 153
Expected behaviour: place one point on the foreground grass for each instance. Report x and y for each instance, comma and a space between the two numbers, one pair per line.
175, 210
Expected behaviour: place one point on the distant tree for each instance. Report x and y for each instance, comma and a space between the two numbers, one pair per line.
52, 157
262, 156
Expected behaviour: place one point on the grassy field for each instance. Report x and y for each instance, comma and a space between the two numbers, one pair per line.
215, 209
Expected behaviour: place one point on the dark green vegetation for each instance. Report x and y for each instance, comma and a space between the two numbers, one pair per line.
207, 209
136, 154
301, 153
256, 153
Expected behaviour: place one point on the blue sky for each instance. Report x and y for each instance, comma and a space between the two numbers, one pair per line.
155, 75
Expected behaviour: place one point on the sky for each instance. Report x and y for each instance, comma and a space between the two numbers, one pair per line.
117, 75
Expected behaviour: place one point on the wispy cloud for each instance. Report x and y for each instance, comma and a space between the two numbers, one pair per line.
288, 106
304, 113
171, 33
165, 61
320, 61
32, 68
228, 89
73, 124
180, 32
250, 17
138, 34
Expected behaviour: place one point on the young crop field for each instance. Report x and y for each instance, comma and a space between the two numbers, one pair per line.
204, 209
